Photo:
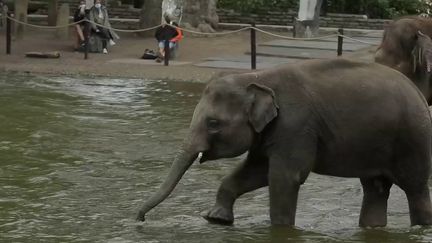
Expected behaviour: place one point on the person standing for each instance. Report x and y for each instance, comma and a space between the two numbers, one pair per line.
167, 32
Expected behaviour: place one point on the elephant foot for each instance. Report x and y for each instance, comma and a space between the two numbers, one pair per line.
219, 215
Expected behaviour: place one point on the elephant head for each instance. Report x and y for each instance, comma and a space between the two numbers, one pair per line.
407, 47
422, 53
225, 123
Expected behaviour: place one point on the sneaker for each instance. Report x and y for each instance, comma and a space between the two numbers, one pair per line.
105, 51
111, 42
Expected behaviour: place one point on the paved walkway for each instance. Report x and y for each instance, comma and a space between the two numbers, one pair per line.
280, 51
199, 57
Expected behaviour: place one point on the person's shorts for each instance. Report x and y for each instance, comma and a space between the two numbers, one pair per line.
162, 44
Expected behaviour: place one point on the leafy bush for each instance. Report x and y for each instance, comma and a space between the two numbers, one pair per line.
254, 6
371, 8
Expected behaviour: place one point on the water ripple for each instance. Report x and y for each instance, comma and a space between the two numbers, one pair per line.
80, 155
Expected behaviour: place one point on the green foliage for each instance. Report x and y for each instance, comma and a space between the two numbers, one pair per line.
371, 8
378, 8
254, 6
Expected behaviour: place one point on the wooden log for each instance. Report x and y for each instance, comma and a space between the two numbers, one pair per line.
53, 54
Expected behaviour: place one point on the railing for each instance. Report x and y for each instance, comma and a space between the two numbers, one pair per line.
253, 29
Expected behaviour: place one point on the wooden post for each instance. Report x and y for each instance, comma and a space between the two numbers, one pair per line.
340, 42
294, 30
167, 53
8, 35
253, 46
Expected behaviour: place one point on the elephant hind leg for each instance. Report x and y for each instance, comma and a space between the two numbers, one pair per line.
248, 176
413, 180
420, 206
376, 192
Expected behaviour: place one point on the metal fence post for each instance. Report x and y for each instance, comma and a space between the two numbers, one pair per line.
253, 46
86, 38
167, 53
340, 42
8, 34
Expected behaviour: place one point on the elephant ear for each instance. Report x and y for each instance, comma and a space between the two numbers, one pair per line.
422, 52
263, 108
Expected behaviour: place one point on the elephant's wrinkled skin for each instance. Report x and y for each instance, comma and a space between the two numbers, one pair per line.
333, 117
406, 46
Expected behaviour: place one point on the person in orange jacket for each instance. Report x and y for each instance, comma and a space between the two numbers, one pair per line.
167, 32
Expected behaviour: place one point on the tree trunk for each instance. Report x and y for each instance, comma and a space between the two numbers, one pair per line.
151, 14
200, 14
63, 19
307, 23
192, 14
52, 12
21, 7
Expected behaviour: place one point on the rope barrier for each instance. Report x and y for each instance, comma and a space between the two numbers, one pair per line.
357, 40
120, 30
43, 26
215, 33
293, 38
194, 32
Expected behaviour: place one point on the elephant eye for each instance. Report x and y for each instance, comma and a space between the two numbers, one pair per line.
213, 124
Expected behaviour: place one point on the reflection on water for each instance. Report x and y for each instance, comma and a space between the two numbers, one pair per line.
79, 156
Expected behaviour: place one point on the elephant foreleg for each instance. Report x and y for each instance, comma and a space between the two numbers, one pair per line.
248, 176
289, 167
284, 185
374, 207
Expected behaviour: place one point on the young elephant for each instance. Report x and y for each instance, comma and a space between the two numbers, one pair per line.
407, 47
333, 117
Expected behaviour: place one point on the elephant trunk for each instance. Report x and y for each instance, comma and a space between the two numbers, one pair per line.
181, 163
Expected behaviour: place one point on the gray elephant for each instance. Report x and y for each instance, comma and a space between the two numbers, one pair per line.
332, 117
406, 46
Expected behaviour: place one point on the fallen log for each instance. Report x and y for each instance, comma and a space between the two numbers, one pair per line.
54, 54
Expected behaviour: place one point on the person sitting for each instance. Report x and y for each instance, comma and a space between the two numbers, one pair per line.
167, 33
78, 16
101, 26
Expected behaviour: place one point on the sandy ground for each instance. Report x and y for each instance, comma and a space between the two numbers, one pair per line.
128, 50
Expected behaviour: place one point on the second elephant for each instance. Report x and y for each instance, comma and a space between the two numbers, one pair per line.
407, 47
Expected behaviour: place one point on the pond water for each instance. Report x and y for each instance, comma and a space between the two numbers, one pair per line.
79, 156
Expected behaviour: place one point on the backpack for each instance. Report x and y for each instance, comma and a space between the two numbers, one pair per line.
149, 54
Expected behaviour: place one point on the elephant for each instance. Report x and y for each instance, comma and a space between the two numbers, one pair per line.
406, 46
332, 117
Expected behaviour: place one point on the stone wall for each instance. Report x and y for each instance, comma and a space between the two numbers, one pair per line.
270, 17
265, 16
121, 11
124, 24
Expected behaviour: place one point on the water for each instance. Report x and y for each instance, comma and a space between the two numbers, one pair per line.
79, 156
